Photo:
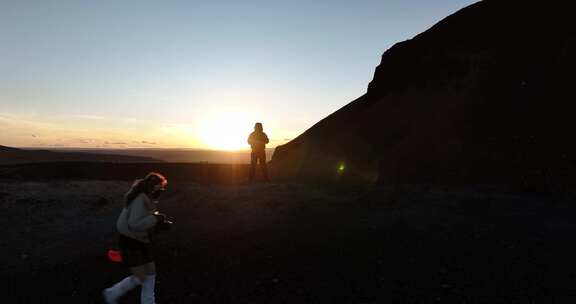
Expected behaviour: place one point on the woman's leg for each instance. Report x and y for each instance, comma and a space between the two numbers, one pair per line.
147, 275
112, 294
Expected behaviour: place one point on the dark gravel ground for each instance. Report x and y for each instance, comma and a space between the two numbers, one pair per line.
290, 243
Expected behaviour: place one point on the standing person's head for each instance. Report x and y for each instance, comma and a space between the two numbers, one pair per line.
152, 185
258, 127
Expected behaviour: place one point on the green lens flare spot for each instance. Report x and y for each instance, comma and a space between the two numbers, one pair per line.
341, 168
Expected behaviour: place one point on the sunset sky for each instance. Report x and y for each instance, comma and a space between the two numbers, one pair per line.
189, 74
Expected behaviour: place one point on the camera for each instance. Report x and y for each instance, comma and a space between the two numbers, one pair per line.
163, 224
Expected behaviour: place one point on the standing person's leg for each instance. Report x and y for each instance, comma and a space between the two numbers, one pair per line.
263, 165
253, 160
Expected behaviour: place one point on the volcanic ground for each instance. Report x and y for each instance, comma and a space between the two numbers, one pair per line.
295, 243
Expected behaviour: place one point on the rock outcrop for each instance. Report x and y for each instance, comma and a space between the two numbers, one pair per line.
483, 97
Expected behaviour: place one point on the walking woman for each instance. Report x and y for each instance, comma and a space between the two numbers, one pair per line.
135, 225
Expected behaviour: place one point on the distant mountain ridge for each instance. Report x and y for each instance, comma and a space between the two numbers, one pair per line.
176, 155
482, 97
9, 155
4, 148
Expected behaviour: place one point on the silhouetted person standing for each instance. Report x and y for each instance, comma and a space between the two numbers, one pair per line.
258, 140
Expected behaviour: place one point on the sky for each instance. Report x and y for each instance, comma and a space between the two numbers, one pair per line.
189, 74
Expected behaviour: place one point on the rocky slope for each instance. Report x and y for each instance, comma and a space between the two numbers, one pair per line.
482, 97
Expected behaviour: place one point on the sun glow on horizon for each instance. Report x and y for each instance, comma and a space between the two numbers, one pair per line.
226, 130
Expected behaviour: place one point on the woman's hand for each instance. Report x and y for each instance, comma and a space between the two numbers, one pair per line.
162, 223
160, 217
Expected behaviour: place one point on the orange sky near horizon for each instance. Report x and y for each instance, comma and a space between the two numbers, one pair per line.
225, 130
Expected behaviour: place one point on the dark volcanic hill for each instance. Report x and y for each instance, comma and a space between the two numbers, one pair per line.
483, 97
10, 155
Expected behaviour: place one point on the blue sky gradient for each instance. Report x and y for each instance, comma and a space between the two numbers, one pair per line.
91, 73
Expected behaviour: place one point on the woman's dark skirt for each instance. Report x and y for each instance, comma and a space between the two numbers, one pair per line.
134, 252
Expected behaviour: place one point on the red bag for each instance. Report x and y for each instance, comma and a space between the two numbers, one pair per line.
115, 255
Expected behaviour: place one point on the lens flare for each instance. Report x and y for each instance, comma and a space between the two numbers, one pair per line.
341, 167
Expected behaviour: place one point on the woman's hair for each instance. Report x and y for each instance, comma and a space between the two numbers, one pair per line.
145, 185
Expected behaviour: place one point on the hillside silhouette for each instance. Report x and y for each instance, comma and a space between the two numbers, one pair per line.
482, 97
9, 155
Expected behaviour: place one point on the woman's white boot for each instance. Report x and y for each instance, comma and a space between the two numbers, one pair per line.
147, 294
112, 294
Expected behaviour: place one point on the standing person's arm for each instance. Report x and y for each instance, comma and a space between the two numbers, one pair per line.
250, 139
265, 138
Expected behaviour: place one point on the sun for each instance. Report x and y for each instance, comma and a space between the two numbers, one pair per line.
225, 131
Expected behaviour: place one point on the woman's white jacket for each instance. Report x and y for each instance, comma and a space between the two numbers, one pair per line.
137, 218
